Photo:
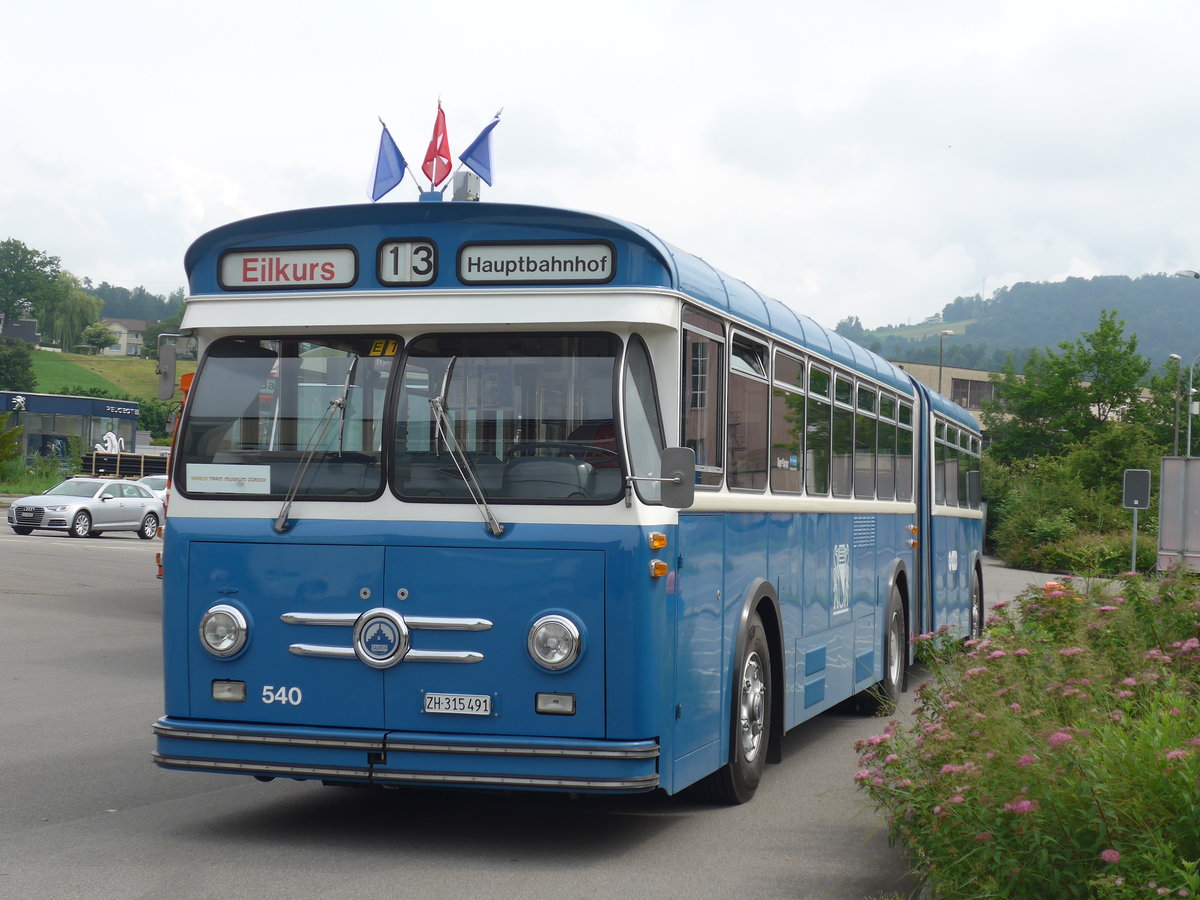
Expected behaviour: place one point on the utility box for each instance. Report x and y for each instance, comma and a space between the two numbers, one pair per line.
1179, 514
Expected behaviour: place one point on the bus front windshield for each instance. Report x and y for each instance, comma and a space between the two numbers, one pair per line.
530, 416
267, 416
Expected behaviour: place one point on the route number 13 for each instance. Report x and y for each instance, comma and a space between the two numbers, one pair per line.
407, 262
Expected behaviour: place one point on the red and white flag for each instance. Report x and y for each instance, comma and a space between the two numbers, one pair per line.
437, 158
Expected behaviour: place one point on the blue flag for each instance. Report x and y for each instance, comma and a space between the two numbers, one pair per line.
389, 166
478, 156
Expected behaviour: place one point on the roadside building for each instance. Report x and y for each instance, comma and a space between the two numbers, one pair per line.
52, 421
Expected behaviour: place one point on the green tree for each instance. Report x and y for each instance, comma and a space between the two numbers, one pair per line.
16, 366
64, 310
25, 275
1065, 397
97, 336
10, 440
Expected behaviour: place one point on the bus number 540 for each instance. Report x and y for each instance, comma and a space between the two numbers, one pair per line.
288, 696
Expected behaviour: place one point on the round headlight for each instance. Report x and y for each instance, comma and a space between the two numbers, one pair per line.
554, 642
223, 630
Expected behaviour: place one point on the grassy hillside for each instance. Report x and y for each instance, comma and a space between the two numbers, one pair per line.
118, 374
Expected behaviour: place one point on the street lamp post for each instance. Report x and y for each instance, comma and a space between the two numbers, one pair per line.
1190, 393
942, 335
1178, 377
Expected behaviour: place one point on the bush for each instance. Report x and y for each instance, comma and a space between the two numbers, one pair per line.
1092, 555
1057, 757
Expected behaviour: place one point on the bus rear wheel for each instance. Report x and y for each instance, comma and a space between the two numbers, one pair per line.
738, 780
977, 613
881, 698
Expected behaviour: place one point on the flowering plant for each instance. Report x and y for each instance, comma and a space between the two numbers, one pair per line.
1059, 755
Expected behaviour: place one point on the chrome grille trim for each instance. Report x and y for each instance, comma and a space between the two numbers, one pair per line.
442, 656
428, 623
424, 623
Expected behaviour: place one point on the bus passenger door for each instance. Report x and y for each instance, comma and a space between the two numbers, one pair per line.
699, 666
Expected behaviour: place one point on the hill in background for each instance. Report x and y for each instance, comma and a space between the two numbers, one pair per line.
1162, 310
56, 373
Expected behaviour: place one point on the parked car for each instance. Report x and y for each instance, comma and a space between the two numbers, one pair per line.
157, 485
86, 507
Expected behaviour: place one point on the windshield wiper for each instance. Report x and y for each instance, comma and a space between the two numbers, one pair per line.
345, 405
337, 404
446, 432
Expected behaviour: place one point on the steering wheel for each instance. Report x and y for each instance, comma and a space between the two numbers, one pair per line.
564, 448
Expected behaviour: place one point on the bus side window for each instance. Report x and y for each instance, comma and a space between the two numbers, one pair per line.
703, 394
819, 433
904, 452
886, 468
843, 436
866, 428
748, 402
787, 424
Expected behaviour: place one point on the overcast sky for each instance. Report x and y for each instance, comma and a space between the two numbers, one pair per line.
848, 157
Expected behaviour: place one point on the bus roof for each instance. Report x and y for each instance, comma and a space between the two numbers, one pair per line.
642, 259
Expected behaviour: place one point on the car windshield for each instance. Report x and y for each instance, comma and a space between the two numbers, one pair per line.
267, 414
530, 414
74, 489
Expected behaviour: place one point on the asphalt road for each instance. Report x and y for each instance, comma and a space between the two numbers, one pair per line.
85, 814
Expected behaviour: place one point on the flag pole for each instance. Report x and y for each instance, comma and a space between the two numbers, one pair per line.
416, 184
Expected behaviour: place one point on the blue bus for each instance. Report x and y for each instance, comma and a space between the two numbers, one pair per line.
501, 496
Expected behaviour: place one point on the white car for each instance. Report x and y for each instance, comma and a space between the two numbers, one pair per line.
86, 507
157, 485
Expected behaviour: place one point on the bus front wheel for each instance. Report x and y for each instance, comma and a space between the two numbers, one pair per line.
737, 781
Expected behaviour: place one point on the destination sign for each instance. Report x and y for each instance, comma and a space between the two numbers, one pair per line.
556, 263
274, 269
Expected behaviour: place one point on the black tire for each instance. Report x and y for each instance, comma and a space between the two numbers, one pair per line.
977, 610
750, 732
881, 698
149, 527
81, 525
22, 530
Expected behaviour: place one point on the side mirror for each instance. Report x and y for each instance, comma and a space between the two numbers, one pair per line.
678, 477
165, 370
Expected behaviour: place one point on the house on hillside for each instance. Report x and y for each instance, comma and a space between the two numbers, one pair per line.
129, 336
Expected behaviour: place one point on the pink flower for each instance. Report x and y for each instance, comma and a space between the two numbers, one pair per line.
1015, 707
971, 673
997, 654
1070, 651
1021, 806
1110, 855
862, 775
1020, 651
1026, 760
1130, 682
1176, 754
891, 758
1059, 738
1124, 695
